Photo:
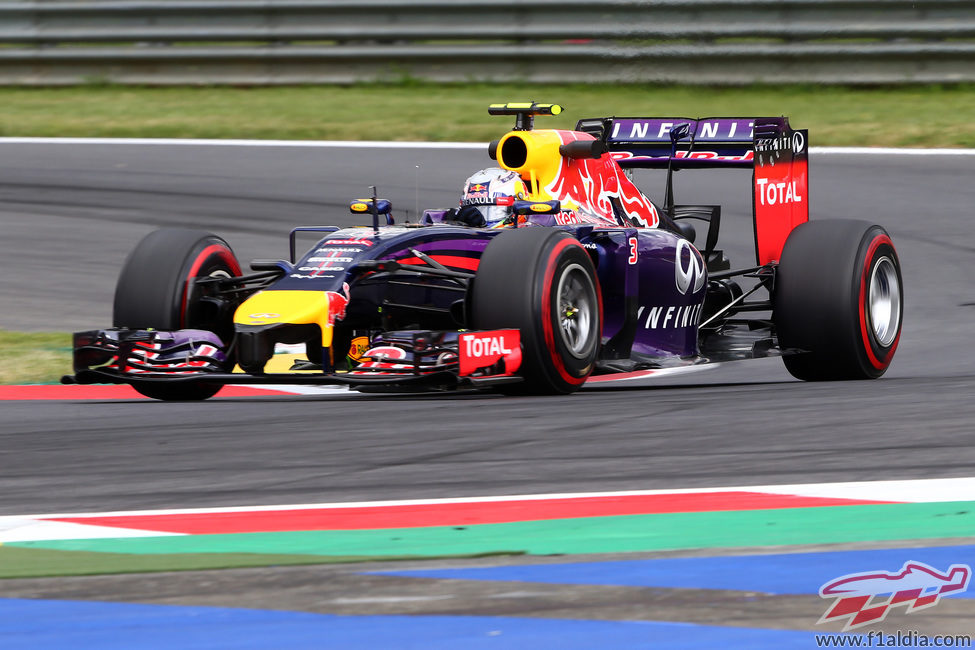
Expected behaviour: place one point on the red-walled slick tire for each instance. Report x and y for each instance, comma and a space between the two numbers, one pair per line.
155, 290
542, 282
839, 298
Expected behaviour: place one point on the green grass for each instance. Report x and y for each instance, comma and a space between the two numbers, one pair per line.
923, 116
37, 358
40, 563
18, 562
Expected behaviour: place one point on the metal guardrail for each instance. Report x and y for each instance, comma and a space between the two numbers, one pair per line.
45, 42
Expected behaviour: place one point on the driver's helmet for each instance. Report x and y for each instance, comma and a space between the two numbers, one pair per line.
492, 192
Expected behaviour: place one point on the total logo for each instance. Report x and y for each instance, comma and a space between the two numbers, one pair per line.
480, 350
359, 239
776, 193
484, 347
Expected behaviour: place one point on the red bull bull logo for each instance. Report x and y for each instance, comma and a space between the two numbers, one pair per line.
337, 302
476, 191
864, 598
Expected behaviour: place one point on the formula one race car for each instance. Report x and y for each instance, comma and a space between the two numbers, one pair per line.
555, 267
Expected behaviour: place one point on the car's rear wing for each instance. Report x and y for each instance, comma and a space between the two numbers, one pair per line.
777, 153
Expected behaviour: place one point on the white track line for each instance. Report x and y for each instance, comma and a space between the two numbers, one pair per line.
889, 151
370, 144
908, 491
21, 529
298, 389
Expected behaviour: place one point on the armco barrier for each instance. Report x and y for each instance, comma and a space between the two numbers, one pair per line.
267, 42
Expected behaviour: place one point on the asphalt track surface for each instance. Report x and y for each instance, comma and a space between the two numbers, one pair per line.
69, 213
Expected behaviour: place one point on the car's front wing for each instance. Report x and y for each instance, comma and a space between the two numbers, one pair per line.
410, 360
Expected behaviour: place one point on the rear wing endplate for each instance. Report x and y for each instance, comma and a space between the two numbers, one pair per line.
768, 145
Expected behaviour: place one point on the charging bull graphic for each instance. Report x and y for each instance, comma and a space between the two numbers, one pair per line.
916, 585
575, 169
592, 185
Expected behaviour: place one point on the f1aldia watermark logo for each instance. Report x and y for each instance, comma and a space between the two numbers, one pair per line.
865, 598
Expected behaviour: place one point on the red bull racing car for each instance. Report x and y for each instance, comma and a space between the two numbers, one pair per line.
554, 268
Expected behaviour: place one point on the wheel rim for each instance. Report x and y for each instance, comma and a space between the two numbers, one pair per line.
884, 301
576, 305
191, 317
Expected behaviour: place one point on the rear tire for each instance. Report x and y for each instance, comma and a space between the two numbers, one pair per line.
542, 282
155, 290
838, 296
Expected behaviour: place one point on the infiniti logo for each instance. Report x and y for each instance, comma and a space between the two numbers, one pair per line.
798, 142
691, 272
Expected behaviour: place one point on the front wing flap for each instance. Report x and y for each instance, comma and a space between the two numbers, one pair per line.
149, 352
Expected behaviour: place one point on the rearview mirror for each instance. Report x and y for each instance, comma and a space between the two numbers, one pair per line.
364, 206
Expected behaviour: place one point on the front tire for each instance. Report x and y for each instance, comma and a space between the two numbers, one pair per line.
155, 290
542, 282
839, 297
